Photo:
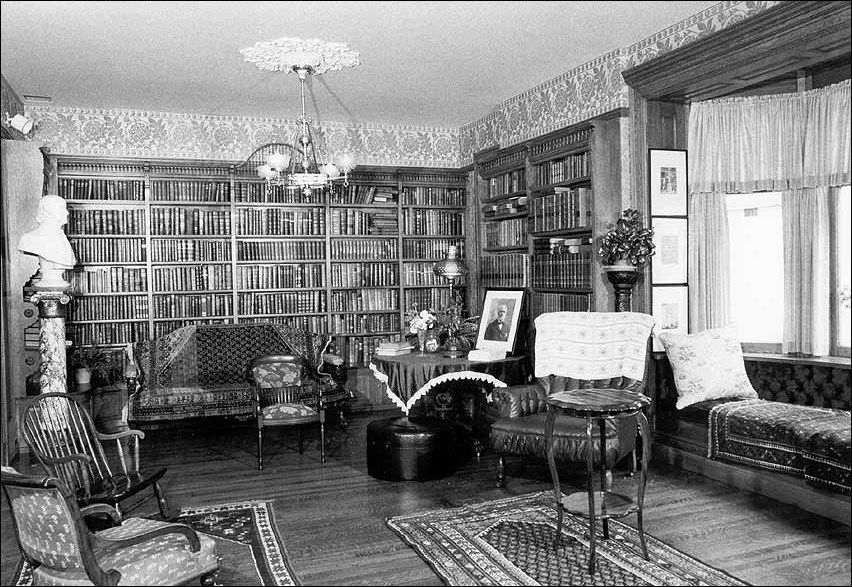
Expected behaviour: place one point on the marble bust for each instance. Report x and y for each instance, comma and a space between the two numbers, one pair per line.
49, 243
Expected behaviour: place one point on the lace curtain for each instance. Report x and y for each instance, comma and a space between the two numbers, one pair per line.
771, 143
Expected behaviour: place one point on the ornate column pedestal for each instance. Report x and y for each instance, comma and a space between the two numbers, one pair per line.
622, 278
51, 303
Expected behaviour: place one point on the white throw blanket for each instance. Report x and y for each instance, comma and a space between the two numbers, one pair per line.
592, 345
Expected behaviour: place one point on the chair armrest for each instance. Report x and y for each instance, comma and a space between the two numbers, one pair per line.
519, 400
101, 508
122, 434
67, 459
182, 529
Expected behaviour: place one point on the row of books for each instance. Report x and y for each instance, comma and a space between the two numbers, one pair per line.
441, 197
571, 167
86, 221
108, 280
290, 275
558, 142
275, 221
435, 298
364, 323
176, 250
163, 327
292, 302
508, 233
182, 221
383, 249
101, 189
109, 308
514, 205
257, 193
357, 350
109, 333
504, 270
432, 222
364, 194
177, 305
364, 275
563, 208
507, 183
107, 250
192, 277
318, 324
190, 190
364, 299
563, 270
354, 222
555, 245
291, 249
542, 302
420, 273
433, 248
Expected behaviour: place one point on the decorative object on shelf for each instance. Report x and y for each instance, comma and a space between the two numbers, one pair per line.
501, 313
48, 242
625, 248
297, 165
432, 342
20, 123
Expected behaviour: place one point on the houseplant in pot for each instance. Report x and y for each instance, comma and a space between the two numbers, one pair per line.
624, 249
91, 362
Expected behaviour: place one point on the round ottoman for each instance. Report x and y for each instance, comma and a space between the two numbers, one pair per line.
399, 449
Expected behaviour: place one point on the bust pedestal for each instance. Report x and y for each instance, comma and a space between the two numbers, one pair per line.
51, 303
622, 278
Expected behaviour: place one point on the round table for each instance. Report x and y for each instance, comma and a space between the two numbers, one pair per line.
598, 404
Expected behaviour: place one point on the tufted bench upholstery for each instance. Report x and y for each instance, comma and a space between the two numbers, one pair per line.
200, 371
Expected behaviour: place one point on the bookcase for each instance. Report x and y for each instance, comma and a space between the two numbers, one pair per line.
542, 203
164, 244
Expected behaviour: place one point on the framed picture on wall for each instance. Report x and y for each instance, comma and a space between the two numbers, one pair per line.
667, 175
670, 311
668, 265
501, 314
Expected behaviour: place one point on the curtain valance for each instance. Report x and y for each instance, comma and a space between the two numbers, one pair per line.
777, 142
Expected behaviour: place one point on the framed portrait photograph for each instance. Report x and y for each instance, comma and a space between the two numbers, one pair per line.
668, 265
498, 325
667, 175
670, 311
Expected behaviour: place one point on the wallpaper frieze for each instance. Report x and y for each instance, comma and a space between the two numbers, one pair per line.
593, 88
131, 133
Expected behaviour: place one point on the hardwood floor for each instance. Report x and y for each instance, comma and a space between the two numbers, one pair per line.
332, 516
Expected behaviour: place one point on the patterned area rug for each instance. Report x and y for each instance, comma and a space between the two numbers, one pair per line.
248, 544
511, 542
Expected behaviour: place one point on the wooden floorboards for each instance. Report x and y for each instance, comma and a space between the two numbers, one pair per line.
332, 516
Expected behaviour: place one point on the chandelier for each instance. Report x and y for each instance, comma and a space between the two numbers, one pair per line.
304, 163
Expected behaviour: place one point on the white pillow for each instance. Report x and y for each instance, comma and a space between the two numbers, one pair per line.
707, 365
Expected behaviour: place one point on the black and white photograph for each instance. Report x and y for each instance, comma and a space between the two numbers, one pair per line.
501, 314
668, 181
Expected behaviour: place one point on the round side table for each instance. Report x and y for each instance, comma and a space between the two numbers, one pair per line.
598, 404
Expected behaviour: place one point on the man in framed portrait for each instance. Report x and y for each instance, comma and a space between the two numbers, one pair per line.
498, 329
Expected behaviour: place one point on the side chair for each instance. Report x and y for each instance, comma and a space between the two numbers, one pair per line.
60, 432
55, 541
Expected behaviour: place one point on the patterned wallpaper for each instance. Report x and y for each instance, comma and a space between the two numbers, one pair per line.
593, 88
582, 93
131, 133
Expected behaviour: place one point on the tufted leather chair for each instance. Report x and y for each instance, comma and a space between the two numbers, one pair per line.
56, 542
519, 430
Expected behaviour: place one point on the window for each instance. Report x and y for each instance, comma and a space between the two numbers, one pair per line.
757, 270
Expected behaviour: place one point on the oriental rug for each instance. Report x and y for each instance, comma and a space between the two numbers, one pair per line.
511, 542
247, 541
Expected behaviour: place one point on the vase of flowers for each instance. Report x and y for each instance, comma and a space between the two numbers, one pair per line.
419, 323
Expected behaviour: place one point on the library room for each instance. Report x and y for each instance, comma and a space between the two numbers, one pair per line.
426, 293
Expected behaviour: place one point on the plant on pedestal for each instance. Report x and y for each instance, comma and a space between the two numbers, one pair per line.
624, 248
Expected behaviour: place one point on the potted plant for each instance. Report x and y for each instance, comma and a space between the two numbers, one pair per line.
91, 361
627, 245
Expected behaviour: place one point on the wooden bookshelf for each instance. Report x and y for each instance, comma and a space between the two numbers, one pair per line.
164, 244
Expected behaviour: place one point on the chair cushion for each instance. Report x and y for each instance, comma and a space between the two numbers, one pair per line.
707, 365
163, 560
525, 437
293, 413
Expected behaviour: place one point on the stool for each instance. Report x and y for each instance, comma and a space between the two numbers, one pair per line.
403, 449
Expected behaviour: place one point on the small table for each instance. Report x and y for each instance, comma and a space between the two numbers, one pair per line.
599, 404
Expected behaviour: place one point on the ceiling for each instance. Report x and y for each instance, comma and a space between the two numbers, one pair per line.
435, 64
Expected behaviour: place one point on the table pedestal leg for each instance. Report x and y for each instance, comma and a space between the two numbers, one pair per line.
645, 432
554, 473
590, 468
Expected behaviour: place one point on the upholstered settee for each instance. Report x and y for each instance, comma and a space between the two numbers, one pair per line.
200, 371
798, 426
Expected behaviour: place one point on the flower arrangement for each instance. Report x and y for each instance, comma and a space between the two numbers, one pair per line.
422, 321
627, 241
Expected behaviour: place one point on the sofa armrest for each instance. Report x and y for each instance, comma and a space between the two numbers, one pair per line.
519, 400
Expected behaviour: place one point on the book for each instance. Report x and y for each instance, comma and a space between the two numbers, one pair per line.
393, 352
395, 345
